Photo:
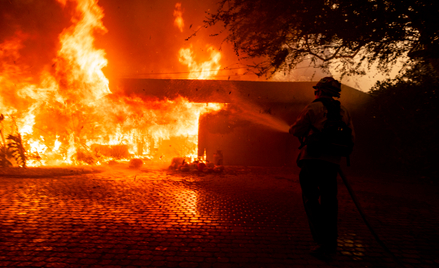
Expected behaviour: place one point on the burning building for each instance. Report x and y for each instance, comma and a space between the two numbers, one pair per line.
251, 126
59, 108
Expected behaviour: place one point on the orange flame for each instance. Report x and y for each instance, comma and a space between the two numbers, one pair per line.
204, 70
83, 62
178, 14
11, 75
71, 117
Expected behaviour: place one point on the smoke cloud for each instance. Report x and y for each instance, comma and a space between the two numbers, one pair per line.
144, 38
37, 24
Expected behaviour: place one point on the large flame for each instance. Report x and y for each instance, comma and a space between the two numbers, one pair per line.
204, 70
70, 116
198, 69
78, 56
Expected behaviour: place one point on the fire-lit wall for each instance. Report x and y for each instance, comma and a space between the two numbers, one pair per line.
248, 143
242, 131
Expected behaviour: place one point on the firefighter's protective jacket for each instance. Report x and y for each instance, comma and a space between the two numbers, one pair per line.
315, 114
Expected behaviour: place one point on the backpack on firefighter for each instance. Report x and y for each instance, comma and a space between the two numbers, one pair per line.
335, 138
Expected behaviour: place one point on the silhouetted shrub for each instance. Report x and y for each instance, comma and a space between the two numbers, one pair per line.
406, 109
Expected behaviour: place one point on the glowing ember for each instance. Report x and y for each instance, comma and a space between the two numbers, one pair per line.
70, 116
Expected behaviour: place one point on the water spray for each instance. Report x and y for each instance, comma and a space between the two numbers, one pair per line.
251, 112
266, 120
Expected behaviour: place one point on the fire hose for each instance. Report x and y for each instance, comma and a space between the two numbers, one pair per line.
363, 215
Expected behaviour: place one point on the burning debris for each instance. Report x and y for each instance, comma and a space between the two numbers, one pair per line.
198, 165
66, 113
136, 163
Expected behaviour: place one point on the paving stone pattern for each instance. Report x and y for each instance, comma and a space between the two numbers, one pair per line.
242, 218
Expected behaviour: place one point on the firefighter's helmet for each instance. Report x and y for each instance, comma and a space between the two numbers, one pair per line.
329, 86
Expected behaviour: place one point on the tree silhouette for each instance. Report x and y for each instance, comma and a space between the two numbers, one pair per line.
406, 113
279, 34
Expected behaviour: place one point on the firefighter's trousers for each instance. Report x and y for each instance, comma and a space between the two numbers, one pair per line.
318, 180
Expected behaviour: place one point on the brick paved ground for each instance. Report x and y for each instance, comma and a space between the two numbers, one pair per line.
242, 218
